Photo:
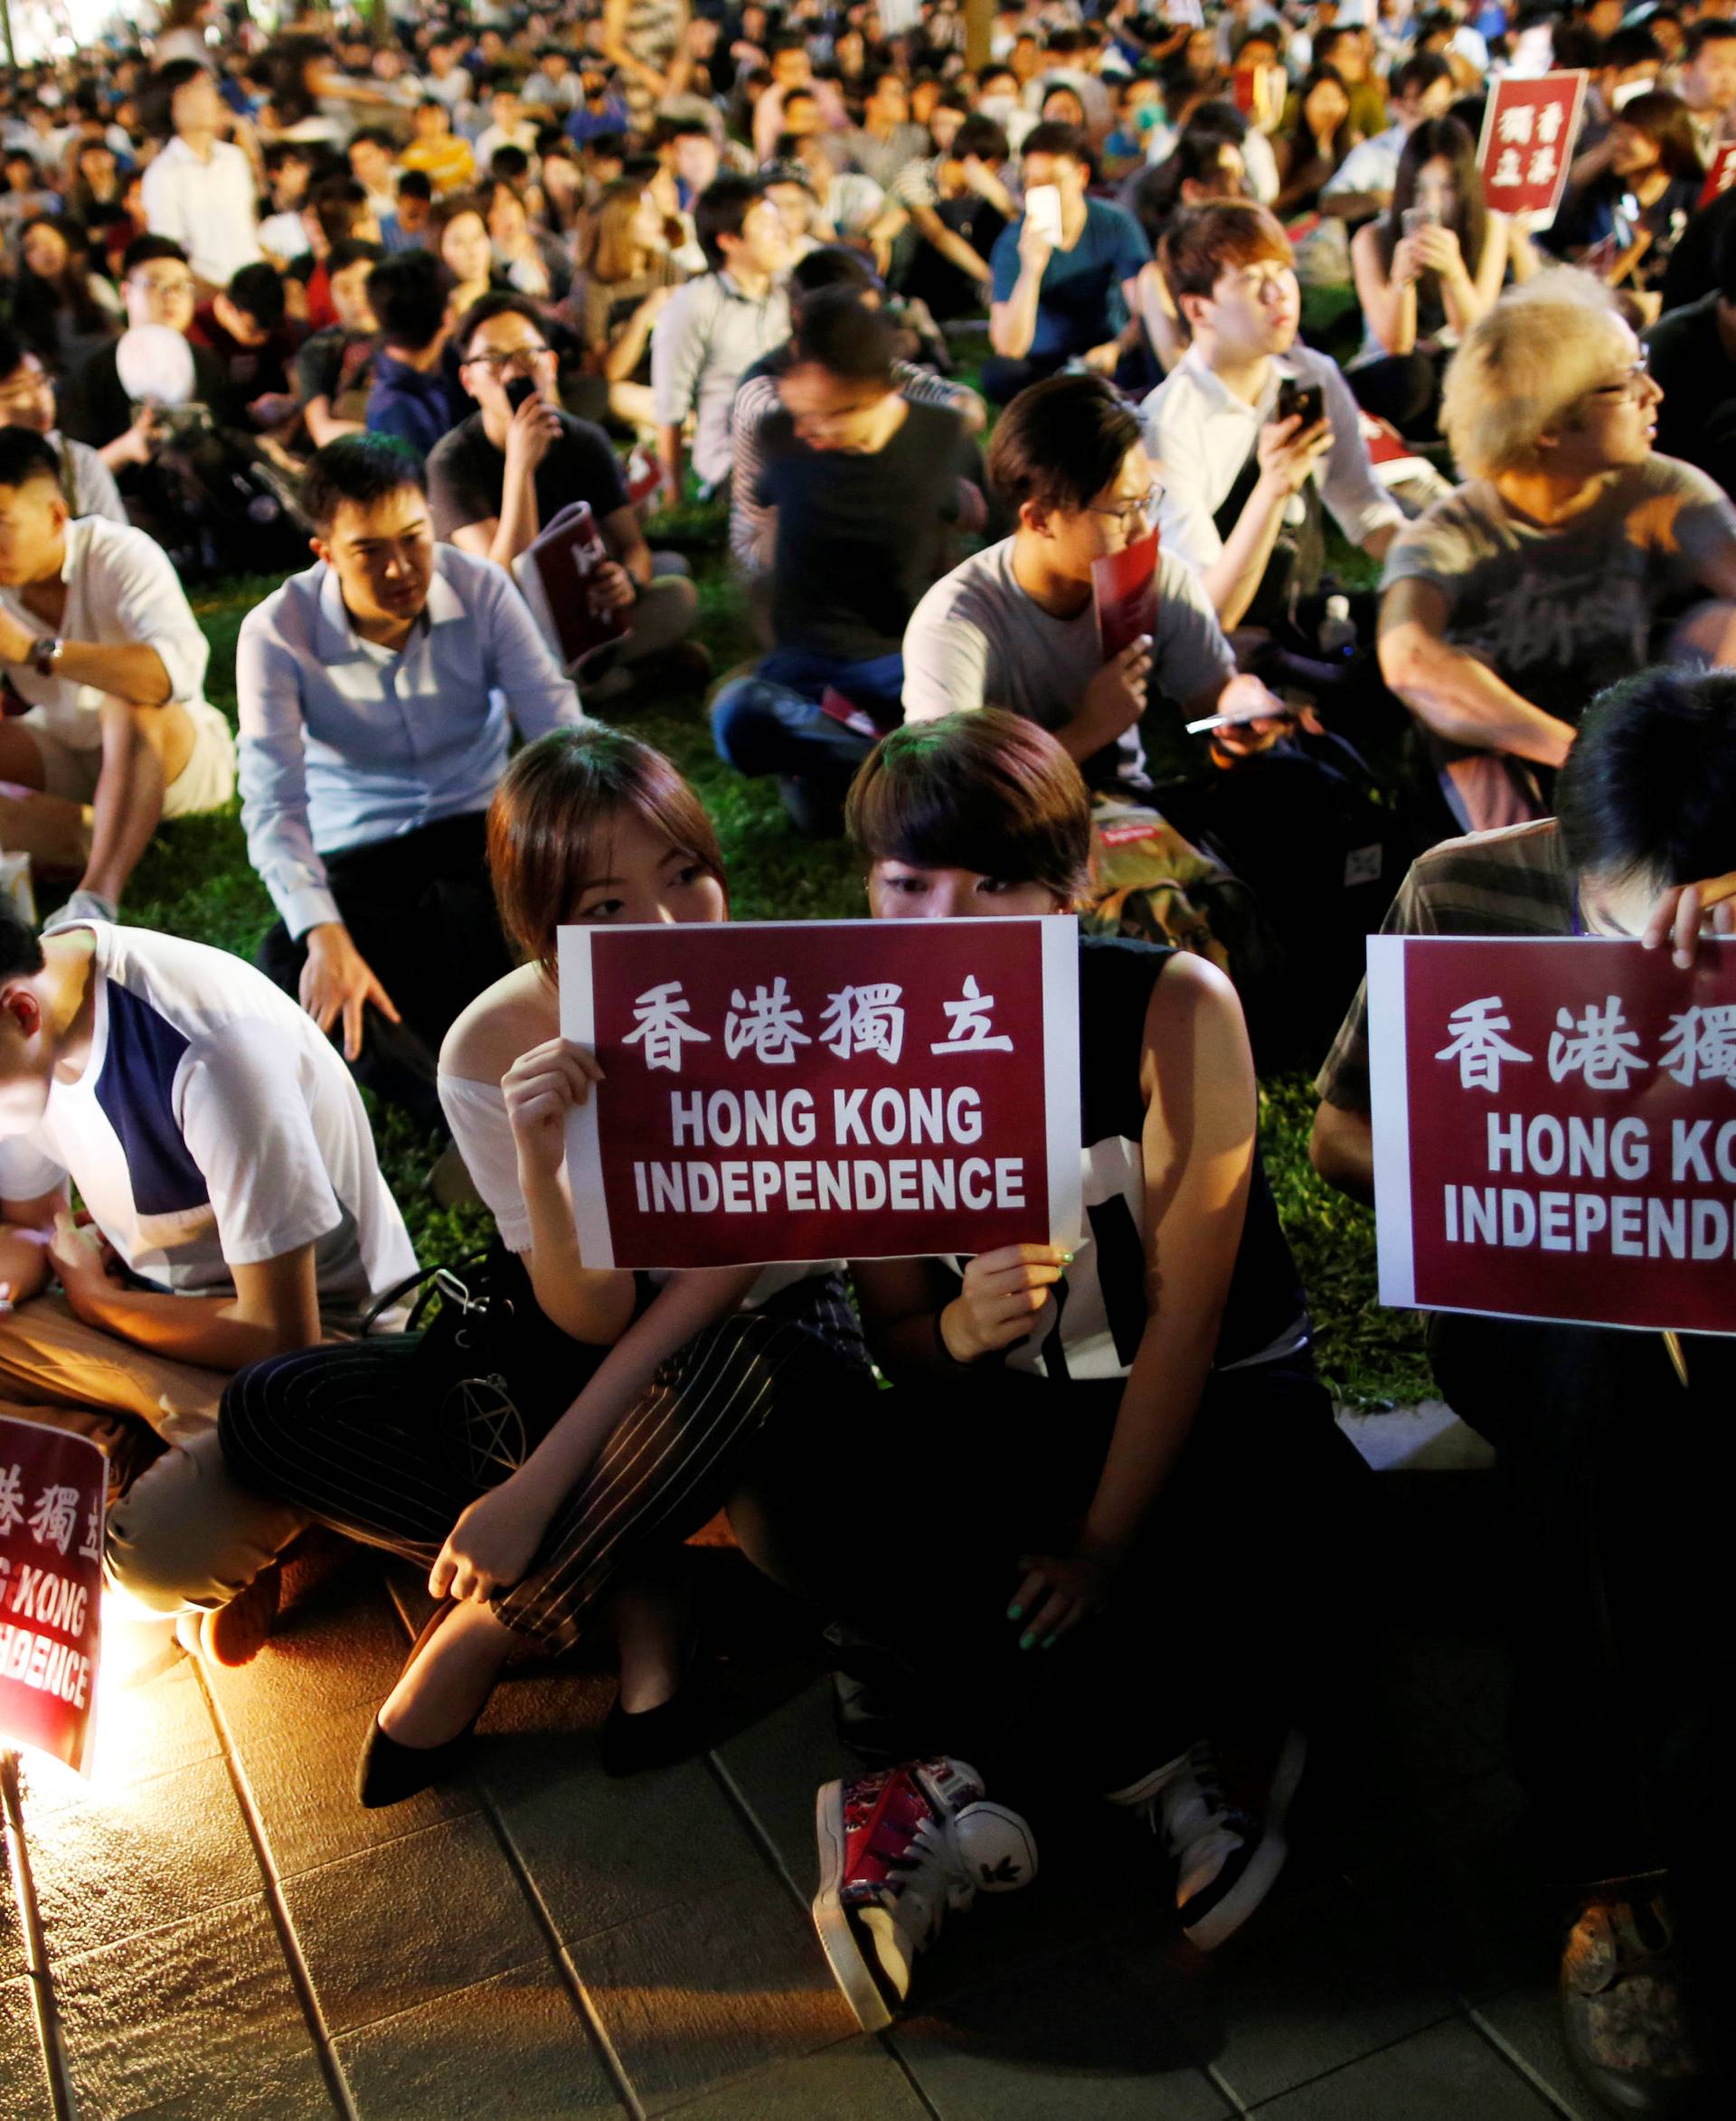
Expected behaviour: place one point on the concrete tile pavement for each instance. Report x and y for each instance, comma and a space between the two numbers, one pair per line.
228, 1935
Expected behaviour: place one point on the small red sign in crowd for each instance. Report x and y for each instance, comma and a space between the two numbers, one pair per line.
1529, 128
1555, 1130
52, 1491
823, 1090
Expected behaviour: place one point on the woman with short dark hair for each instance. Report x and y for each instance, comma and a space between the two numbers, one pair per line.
1089, 1432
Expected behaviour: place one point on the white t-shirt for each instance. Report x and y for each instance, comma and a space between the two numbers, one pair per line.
209, 208
120, 589
978, 640
213, 1126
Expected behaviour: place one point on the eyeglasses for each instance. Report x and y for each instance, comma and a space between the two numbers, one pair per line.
163, 289
1635, 382
500, 364
1143, 509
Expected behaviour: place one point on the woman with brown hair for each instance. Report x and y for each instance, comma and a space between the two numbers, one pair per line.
1631, 197
618, 299
540, 1512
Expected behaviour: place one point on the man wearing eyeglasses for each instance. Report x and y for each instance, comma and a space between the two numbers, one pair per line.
502, 475
1551, 573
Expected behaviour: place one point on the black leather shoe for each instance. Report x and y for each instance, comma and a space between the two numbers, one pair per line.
387, 1773
674, 1730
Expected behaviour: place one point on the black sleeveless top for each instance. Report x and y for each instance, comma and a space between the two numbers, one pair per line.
1097, 1313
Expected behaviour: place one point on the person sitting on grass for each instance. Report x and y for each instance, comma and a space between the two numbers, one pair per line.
376, 692
1235, 472
502, 476
334, 368
1080, 1442
1052, 303
412, 397
643, 1401
236, 1208
1015, 626
100, 652
28, 398
1611, 1544
864, 484
1559, 563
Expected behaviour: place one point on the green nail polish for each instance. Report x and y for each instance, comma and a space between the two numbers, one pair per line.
1067, 1258
1027, 1642
1015, 1612
1049, 1640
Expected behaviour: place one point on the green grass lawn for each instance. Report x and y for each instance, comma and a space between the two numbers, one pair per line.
195, 881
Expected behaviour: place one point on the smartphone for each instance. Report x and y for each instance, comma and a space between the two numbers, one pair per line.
1307, 398
1042, 210
521, 388
1419, 217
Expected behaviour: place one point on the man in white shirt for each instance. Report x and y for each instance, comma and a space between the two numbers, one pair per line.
28, 400
378, 693
1242, 483
237, 1211
510, 128
99, 644
201, 190
1362, 186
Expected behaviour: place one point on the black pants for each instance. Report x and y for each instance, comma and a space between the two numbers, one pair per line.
355, 1436
1616, 1534
911, 1536
420, 909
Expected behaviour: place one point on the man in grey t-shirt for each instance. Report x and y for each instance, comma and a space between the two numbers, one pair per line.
1524, 593
1015, 626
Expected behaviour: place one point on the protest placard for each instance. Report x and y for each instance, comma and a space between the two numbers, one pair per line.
51, 1490
1721, 174
1529, 128
792, 1090
1555, 1130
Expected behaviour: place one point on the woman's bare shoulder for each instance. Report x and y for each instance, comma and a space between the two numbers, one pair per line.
505, 1020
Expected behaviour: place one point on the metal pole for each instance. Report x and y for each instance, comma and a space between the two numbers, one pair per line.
5, 26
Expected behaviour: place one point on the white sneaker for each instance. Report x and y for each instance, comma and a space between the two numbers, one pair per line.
897, 1850
1228, 1856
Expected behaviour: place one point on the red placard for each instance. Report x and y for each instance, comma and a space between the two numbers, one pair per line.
1529, 129
1720, 174
1555, 1130
794, 1090
52, 1492
1125, 585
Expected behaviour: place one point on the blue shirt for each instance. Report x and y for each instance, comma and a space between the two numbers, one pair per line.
1079, 303
586, 123
409, 404
343, 742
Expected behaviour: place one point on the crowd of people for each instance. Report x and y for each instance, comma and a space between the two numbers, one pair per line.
1214, 308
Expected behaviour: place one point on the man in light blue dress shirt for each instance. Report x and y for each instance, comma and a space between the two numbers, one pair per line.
378, 693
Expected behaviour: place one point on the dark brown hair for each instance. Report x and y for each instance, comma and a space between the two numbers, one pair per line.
1061, 440
553, 811
986, 791
1223, 235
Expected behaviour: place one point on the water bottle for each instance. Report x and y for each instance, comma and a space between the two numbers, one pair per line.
1338, 637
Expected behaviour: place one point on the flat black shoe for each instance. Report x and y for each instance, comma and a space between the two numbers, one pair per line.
387, 1773
674, 1730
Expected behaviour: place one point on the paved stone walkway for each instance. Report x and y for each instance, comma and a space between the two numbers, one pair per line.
216, 1932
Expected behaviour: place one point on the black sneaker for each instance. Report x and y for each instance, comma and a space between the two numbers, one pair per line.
1622, 2013
1227, 1854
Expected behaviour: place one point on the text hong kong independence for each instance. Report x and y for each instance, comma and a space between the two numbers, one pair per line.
1571, 1105
747, 1077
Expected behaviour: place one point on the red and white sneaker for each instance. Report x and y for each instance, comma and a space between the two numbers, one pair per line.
897, 1849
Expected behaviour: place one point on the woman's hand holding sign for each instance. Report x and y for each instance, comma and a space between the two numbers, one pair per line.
540, 1088
1004, 1291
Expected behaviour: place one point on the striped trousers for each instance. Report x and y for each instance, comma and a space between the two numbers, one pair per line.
347, 1435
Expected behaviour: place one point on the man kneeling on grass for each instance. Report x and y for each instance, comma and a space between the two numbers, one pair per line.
237, 1210
103, 666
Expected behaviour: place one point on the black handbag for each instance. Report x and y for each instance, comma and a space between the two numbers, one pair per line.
495, 1371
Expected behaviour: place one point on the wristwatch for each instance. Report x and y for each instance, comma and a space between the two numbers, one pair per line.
45, 654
